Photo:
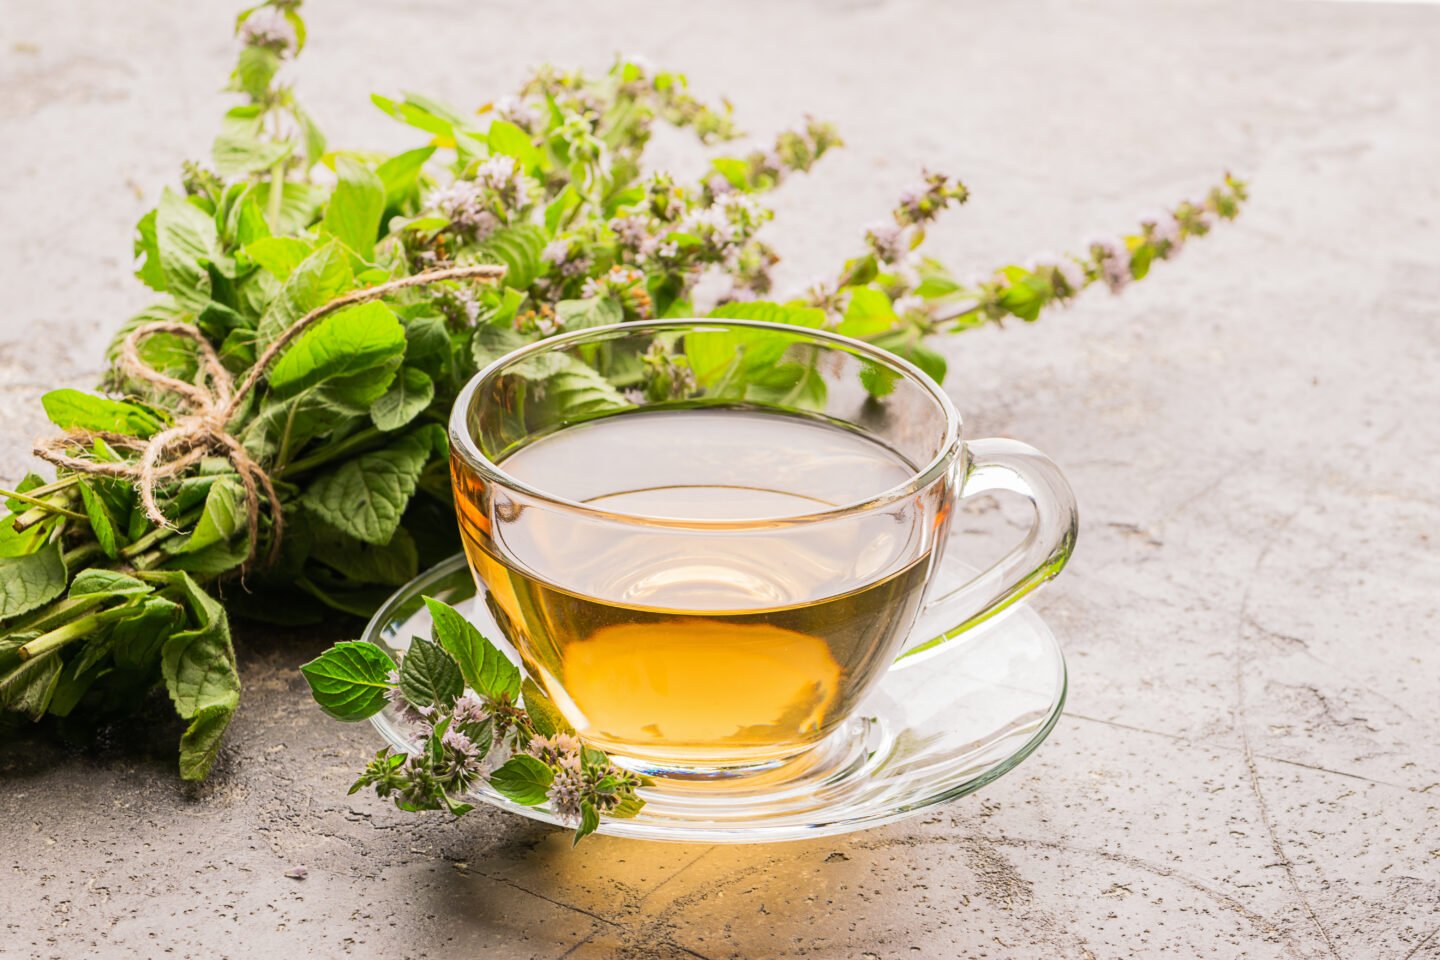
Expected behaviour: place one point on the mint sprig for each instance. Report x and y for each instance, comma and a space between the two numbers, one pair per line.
473, 720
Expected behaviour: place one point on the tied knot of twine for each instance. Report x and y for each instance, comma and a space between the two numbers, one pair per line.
201, 426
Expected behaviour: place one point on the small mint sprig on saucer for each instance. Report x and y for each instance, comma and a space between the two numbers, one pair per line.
475, 719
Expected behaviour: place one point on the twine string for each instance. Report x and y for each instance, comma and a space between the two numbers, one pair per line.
208, 404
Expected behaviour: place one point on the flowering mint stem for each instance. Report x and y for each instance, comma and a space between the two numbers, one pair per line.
277, 196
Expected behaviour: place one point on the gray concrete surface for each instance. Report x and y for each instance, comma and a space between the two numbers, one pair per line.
1249, 766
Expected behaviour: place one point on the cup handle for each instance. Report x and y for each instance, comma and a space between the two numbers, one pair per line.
998, 464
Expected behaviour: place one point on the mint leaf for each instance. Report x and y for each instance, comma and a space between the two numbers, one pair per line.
812, 317
629, 806
366, 496
20, 544
928, 360
545, 717
136, 642
400, 175
199, 663
239, 148
103, 524
793, 385
28, 688
456, 809
212, 561
420, 114
936, 286
726, 361
562, 208
590, 312
349, 681
223, 517
299, 203
393, 564
246, 222
351, 341
735, 170
292, 422
878, 381
254, 69
589, 822
410, 394
523, 779
30, 581
491, 342
73, 410
519, 249
318, 279
506, 138
868, 313
187, 242
279, 255
576, 390
353, 215
429, 675
112, 583
200, 743
147, 250
486, 670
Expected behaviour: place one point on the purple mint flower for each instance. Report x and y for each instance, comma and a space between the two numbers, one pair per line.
470, 709
886, 241
566, 793
1113, 259
1162, 227
556, 251
575, 268
269, 29
462, 204
459, 745
518, 112
1072, 274
556, 749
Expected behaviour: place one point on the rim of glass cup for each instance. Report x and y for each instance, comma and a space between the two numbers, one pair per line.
462, 442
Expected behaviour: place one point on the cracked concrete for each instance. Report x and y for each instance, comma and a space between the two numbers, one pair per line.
1249, 766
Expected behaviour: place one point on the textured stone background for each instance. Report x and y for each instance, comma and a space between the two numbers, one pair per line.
1249, 766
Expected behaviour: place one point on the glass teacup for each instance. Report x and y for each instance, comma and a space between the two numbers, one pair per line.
708, 540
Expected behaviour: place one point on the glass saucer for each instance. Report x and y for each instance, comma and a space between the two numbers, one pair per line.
923, 737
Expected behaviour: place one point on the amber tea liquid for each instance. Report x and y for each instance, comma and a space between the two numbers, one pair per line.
711, 648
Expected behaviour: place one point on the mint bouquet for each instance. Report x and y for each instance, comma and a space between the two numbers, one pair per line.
268, 441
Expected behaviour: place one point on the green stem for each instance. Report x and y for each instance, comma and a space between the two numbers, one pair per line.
37, 502
55, 486
332, 452
277, 195
57, 613
80, 554
160, 533
60, 636
942, 317
47, 508
147, 560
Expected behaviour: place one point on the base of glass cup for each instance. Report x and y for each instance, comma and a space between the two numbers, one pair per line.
830, 752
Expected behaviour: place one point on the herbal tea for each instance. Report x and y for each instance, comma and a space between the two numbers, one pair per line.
713, 647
